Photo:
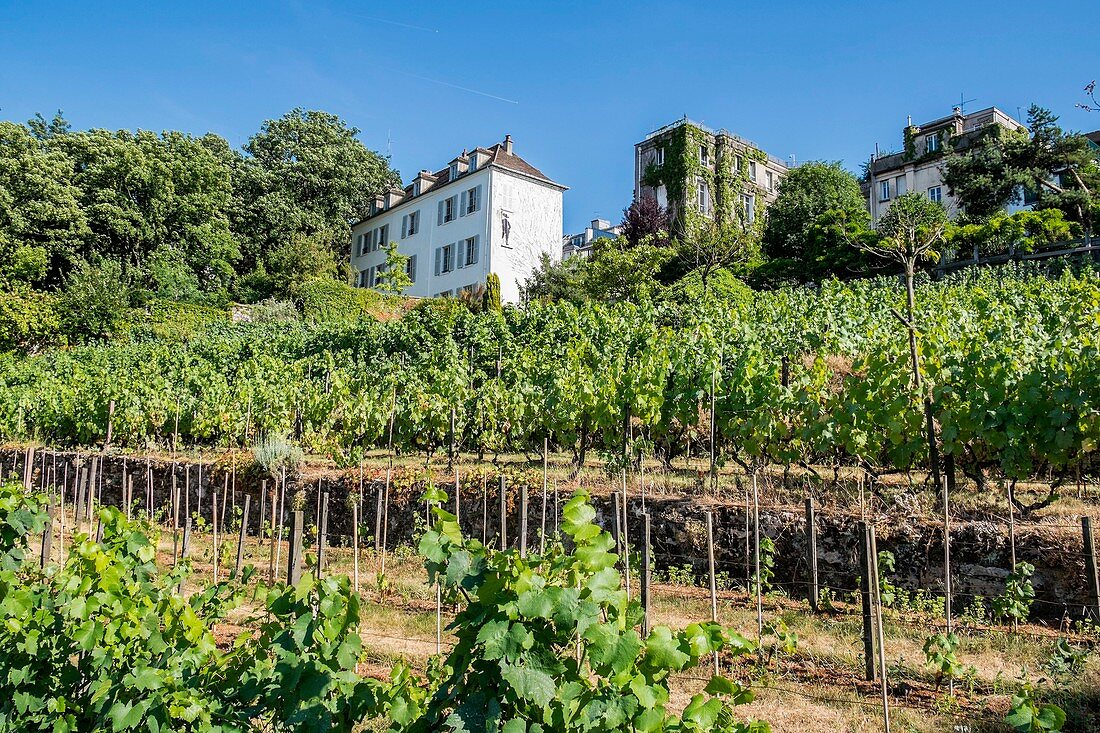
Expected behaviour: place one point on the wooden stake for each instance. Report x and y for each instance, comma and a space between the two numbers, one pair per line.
484, 511
713, 578
811, 553
542, 530
214, 527
616, 531
647, 563
1092, 577
322, 535
947, 553
523, 520
355, 544
865, 586
503, 508
294, 562
1012, 524
878, 630
756, 551
626, 537
47, 535
244, 533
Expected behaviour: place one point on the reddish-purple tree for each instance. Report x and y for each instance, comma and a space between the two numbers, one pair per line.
644, 221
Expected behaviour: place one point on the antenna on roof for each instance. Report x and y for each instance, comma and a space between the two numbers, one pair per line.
963, 102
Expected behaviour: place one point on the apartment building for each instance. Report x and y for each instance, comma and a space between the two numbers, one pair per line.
918, 167
580, 244
685, 166
487, 211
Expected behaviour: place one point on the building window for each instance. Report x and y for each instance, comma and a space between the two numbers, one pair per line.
410, 224
884, 191
452, 172
416, 188
410, 268
899, 185
383, 237
704, 155
444, 259
752, 170
770, 177
471, 200
471, 254
473, 163
748, 202
935, 194
659, 157
447, 210
361, 279
704, 196
931, 143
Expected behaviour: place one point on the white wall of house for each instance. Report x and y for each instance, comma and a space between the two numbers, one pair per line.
533, 210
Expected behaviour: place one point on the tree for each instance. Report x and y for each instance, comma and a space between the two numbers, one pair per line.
711, 246
96, 301
617, 271
645, 222
556, 281
492, 292
803, 245
394, 277
308, 174
1059, 169
41, 221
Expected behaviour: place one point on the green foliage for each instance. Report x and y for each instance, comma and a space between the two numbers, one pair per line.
1024, 230
941, 654
1067, 660
888, 592
492, 293
395, 277
28, 318
272, 310
1015, 602
767, 565
793, 232
327, 300
1028, 715
549, 643
96, 302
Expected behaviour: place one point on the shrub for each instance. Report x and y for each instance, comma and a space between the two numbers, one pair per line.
95, 303
272, 310
28, 319
274, 453
325, 299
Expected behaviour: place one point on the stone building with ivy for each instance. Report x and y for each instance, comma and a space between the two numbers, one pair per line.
700, 174
918, 167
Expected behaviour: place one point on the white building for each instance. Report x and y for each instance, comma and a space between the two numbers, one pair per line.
919, 167
580, 245
488, 211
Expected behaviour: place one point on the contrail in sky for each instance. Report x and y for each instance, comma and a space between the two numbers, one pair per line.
397, 23
462, 88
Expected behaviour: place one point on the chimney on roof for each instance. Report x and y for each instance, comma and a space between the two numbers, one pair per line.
508, 144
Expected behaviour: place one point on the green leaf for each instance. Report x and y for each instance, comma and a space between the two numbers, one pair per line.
529, 683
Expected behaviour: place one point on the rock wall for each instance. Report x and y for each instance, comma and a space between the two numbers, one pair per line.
980, 551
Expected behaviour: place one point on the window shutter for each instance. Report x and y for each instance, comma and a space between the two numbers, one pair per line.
477, 198
438, 259
440, 221
462, 206
404, 225
475, 245
450, 255
461, 253
411, 268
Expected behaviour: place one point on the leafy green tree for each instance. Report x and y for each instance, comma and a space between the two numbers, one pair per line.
1024, 230
308, 176
798, 237
42, 223
28, 318
712, 246
553, 282
96, 302
394, 278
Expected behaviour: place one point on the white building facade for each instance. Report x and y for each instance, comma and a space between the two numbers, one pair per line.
488, 211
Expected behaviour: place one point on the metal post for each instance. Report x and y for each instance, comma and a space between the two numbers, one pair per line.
759, 585
523, 520
542, 530
503, 514
878, 631
355, 544
865, 585
47, 535
322, 535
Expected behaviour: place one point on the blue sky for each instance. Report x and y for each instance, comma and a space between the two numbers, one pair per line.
576, 84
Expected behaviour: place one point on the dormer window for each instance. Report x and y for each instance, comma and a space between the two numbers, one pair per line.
473, 163
453, 172
932, 143
416, 188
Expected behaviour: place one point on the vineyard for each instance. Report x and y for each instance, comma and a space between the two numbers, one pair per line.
674, 445
807, 378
